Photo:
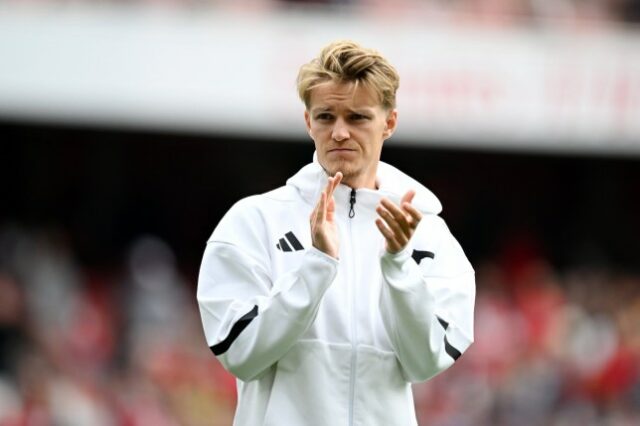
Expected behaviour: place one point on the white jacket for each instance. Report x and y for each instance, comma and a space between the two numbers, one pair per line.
319, 341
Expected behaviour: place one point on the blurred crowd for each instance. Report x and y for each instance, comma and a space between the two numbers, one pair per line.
122, 347
500, 11
479, 11
125, 346
551, 348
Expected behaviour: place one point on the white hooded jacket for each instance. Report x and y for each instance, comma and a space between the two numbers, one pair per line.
317, 341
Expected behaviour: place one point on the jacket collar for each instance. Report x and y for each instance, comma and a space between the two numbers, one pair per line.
392, 183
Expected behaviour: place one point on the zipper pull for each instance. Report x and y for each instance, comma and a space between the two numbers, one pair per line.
352, 201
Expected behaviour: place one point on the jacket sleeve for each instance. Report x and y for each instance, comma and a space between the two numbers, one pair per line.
427, 304
250, 321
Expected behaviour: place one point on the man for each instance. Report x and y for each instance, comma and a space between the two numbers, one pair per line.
329, 296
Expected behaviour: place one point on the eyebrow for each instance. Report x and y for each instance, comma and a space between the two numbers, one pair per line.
320, 109
361, 110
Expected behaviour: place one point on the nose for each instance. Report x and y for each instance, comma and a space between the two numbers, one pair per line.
340, 131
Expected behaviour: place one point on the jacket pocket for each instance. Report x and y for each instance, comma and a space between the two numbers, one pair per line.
382, 395
311, 386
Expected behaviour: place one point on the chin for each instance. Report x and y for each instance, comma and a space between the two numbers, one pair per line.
346, 167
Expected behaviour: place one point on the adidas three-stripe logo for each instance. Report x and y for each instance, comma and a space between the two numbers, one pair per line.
289, 241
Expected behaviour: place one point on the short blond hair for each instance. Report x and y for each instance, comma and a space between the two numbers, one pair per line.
345, 61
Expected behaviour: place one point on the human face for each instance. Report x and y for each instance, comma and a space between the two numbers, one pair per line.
348, 128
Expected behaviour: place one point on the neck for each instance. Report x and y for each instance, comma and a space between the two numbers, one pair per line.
359, 182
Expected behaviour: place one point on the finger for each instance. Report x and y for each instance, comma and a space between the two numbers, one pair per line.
393, 209
401, 235
335, 182
408, 197
328, 188
392, 245
331, 187
329, 183
321, 208
407, 207
330, 210
416, 215
385, 231
313, 217
338, 178
397, 213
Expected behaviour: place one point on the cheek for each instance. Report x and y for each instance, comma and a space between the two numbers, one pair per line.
315, 130
313, 133
322, 134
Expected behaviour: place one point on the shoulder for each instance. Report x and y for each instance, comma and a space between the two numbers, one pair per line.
396, 181
284, 194
433, 236
255, 213
433, 228
265, 202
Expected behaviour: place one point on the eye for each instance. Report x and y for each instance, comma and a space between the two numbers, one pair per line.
358, 117
324, 116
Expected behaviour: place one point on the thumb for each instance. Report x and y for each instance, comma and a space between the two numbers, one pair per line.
408, 197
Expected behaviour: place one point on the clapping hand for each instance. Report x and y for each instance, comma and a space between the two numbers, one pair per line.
398, 223
324, 231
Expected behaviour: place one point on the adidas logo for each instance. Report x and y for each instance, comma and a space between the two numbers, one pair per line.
289, 241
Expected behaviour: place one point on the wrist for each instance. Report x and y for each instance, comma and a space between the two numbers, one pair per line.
329, 251
401, 254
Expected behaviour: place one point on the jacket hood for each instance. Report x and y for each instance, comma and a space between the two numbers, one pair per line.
392, 183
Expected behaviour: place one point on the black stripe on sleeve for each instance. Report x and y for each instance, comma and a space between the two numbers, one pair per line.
443, 323
237, 328
294, 241
418, 255
453, 352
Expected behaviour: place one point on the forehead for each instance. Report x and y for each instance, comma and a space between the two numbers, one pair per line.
343, 95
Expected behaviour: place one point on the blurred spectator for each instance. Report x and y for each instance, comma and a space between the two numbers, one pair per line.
494, 12
103, 350
627, 10
80, 347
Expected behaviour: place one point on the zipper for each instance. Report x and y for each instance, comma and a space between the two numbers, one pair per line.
354, 329
352, 202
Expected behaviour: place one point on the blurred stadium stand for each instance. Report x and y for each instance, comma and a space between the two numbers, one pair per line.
129, 128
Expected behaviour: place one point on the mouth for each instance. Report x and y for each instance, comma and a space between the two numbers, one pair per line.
341, 150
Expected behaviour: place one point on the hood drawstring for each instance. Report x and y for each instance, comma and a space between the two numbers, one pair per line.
352, 201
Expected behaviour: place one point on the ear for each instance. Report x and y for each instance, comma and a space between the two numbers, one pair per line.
390, 124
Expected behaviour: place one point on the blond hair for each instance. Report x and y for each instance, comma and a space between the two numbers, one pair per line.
345, 61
